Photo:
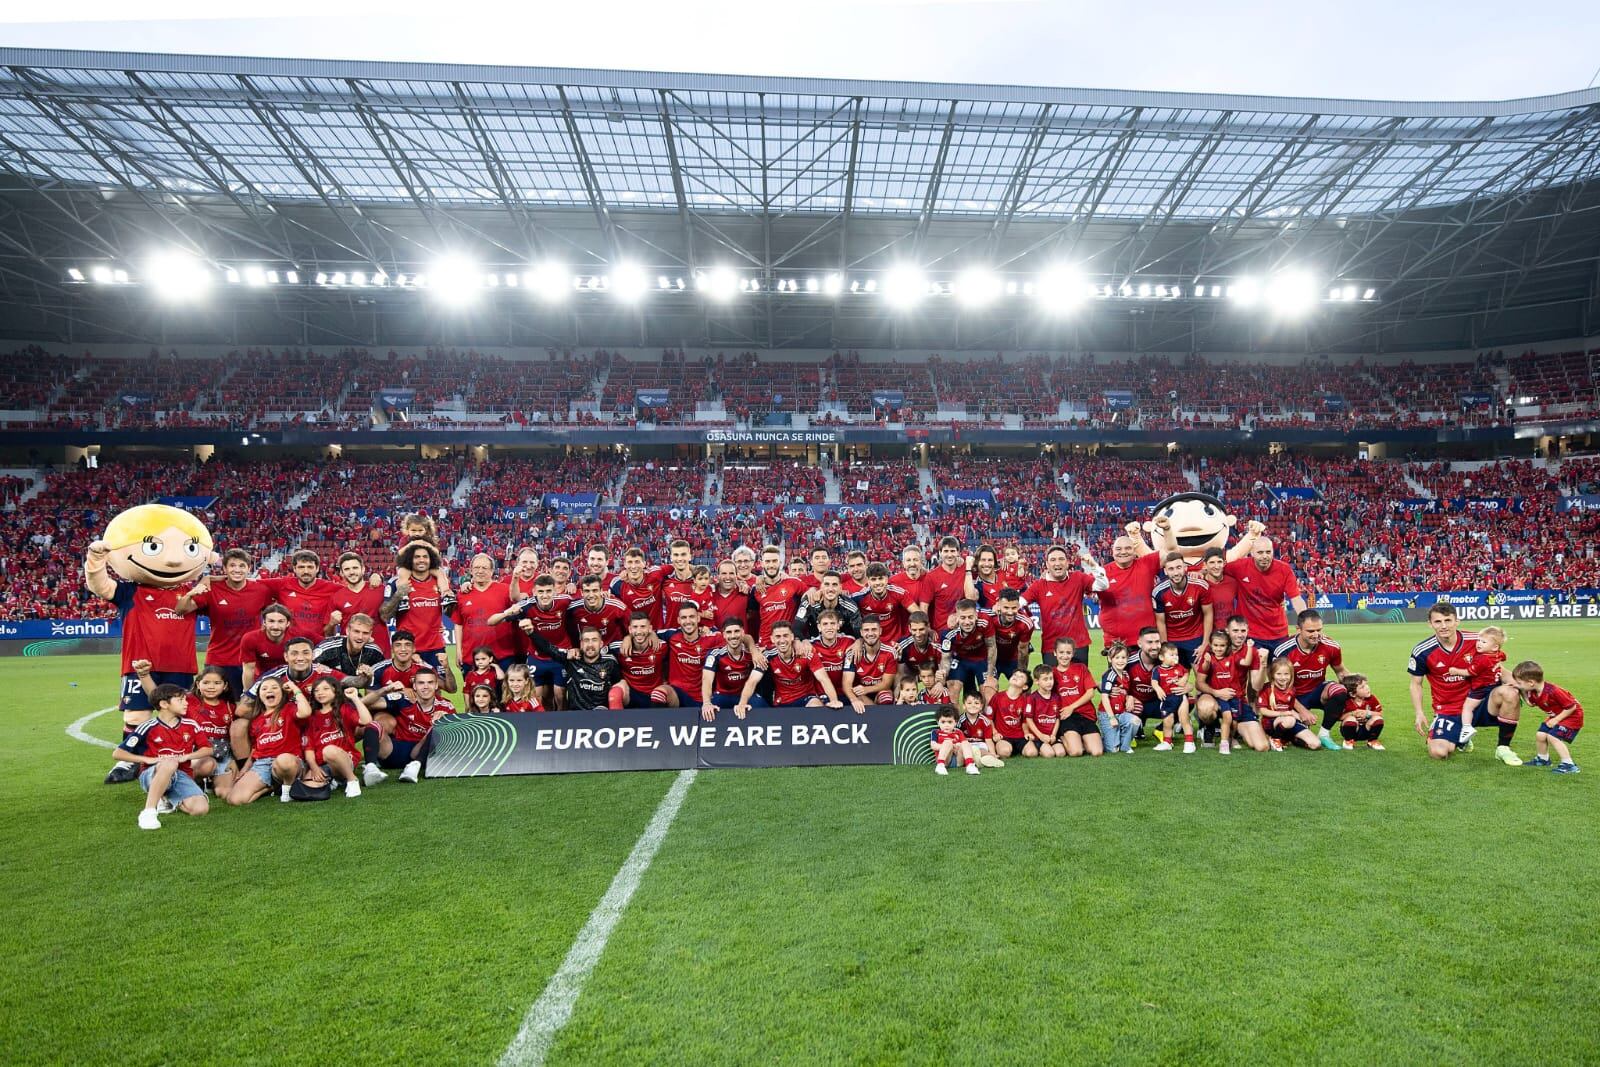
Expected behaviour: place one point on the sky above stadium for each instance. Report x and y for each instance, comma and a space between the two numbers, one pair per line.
1357, 49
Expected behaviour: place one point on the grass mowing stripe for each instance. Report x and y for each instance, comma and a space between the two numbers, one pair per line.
551, 1011
76, 731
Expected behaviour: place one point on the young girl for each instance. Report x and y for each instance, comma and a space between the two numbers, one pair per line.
206, 706
1117, 723
484, 700
1171, 684
274, 741
1281, 712
485, 671
1363, 715
1040, 721
1075, 699
907, 693
330, 736
520, 694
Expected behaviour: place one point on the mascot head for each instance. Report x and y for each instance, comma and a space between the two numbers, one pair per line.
1189, 523
154, 544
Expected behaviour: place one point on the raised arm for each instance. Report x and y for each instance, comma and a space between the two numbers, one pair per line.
95, 578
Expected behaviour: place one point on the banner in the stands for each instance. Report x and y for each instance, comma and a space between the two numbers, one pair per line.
651, 398
1581, 502
188, 503
1292, 492
968, 498
888, 398
771, 437
572, 503
565, 742
134, 400
1119, 399
1414, 503
1485, 503
1476, 400
1333, 402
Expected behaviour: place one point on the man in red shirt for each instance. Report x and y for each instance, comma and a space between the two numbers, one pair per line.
728, 678
969, 651
1313, 656
1222, 590
308, 597
1264, 583
234, 607
677, 583
794, 683
1445, 661
545, 615
869, 673
1013, 634
643, 659
946, 583
917, 649
595, 609
261, 650
1182, 609
891, 604
358, 593
418, 598
687, 649
855, 573
730, 599
1059, 597
481, 600
597, 563
775, 593
913, 580
638, 588
1125, 601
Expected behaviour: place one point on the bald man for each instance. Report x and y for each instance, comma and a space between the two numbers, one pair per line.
1125, 605
480, 598
1264, 583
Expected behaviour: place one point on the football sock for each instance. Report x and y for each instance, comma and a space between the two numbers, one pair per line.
1374, 728
371, 744
1508, 730
1349, 731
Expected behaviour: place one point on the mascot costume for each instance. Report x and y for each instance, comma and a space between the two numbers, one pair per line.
149, 555
1190, 523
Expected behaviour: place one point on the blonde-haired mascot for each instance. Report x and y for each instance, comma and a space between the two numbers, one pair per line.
148, 557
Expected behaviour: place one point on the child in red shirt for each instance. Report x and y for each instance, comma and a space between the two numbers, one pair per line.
948, 740
1563, 716
1363, 715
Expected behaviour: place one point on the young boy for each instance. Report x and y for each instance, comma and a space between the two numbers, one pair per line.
908, 693
1363, 715
1008, 709
980, 730
948, 740
167, 744
1563, 716
1042, 718
1171, 684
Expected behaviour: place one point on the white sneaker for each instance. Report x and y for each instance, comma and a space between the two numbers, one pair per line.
352, 789
939, 768
1224, 747
373, 775
1466, 735
972, 768
284, 796
148, 820
164, 807
989, 759
1188, 748
1165, 746
1348, 746
412, 772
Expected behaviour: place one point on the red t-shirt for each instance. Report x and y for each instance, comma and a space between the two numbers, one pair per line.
277, 734
777, 603
645, 597
1125, 606
970, 644
549, 623
792, 679
1553, 700
978, 729
1223, 596
1061, 607
1222, 672
917, 591
892, 609
1013, 641
324, 729
213, 719
611, 619
675, 592
531, 704
944, 589
1369, 705
1044, 712
830, 658
152, 629
1072, 681
643, 670
475, 677
263, 651
730, 669
870, 670
1262, 593
686, 658
412, 722
156, 738
1486, 668
233, 613
1277, 700
471, 615
308, 605
421, 611
1174, 679
734, 605
1007, 712
363, 601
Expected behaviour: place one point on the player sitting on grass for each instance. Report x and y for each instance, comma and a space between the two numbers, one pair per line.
1170, 681
1008, 710
409, 741
1363, 715
520, 693
278, 713
948, 741
330, 736
1286, 720
1041, 719
1563, 716
980, 731
167, 746
1117, 722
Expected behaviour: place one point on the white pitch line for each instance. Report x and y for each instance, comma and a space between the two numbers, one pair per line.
75, 731
550, 1012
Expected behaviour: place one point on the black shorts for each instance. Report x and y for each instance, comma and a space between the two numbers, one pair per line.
1015, 742
1078, 725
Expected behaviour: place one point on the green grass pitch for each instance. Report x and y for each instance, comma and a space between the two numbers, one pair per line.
1352, 907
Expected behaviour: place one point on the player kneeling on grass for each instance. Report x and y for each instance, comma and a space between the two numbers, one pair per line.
1170, 680
1563, 716
1117, 722
1008, 710
1286, 721
408, 743
167, 746
979, 729
1042, 718
330, 736
948, 741
1363, 715
280, 710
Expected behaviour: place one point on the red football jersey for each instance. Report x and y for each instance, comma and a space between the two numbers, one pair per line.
364, 600
1061, 607
1183, 608
156, 738
645, 597
914, 655
264, 652
942, 736
676, 591
421, 612
872, 669
531, 704
611, 619
735, 605
969, 644
1174, 679
1310, 668
1553, 700
341, 731
233, 613
1044, 712
1072, 681
978, 729
275, 734
792, 679
1221, 672
730, 669
892, 610
549, 623
1125, 606
412, 721
643, 669
944, 589
1139, 675
1369, 705
471, 613
213, 719
1277, 699
917, 591
1262, 593
308, 605
830, 658
1013, 641
1007, 712
776, 603
1486, 668
152, 629
475, 677
686, 658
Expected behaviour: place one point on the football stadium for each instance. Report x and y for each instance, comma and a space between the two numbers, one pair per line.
520, 564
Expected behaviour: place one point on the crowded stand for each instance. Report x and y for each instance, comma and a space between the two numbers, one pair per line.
753, 389
1098, 478
1013, 482
878, 482
777, 482
653, 484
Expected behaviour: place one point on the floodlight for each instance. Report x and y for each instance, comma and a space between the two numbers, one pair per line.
336, 278
1291, 293
870, 286
1246, 292
1348, 292
230, 275
253, 276
548, 280
1144, 290
322, 278
833, 284
101, 275
272, 277
177, 276
1370, 294
721, 284
979, 287
294, 277
358, 277
904, 286
75, 274
1061, 289
455, 280
629, 282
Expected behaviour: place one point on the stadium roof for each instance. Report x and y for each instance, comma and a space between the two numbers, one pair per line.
1474, 220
